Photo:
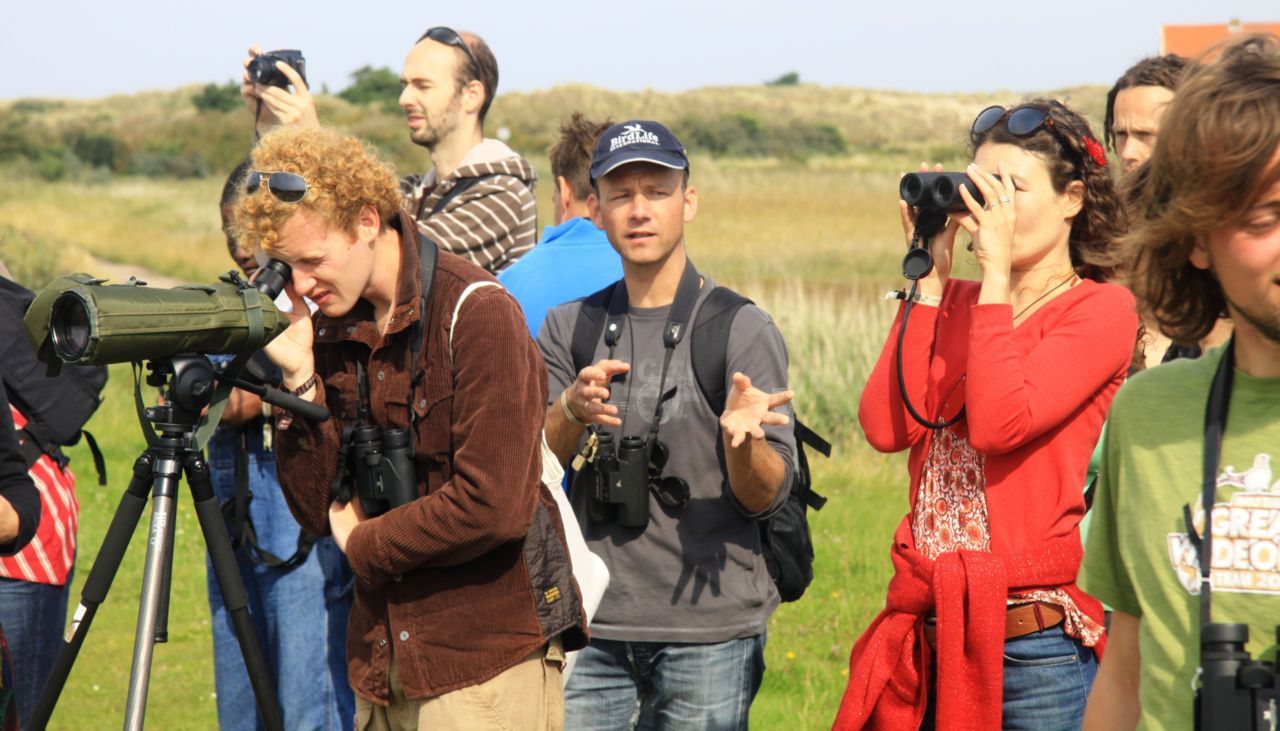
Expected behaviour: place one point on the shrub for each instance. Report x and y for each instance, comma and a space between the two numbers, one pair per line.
94, 149
217, 97
379, 86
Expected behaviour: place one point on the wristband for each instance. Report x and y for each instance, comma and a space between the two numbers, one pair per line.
306, 385
568, 414
918, 297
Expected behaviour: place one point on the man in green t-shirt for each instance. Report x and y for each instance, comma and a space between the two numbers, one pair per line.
1206, 240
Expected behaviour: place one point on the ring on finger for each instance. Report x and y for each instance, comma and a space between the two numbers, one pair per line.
1004, 199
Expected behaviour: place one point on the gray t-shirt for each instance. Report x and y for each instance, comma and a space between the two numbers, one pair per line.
696, 574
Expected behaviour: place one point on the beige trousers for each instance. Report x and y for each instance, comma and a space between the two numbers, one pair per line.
527, 697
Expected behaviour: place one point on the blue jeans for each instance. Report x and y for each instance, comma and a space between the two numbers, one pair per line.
300, 614
33, 617
659, 685
1047, 677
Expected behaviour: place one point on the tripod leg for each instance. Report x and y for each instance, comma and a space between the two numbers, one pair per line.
166, 582
163, 499
230, 584
103, 572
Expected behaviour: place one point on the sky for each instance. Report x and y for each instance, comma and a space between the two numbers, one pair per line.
82, 49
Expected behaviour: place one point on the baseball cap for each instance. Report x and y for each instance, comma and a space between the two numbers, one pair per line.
637, 140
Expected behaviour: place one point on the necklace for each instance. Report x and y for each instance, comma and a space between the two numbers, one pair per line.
1036, 301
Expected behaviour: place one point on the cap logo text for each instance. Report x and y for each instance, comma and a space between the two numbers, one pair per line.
633, 134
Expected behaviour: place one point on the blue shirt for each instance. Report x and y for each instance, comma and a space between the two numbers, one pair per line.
572, 261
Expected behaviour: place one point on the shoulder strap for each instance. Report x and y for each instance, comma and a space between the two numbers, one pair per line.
457, 308
428, 258
458, 189
710, 344
589, 326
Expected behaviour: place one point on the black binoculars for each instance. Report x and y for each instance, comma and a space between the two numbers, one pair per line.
937, 191
381, 467
1236, 692
618, 479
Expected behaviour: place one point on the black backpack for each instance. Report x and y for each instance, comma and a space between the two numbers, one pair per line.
56, 407
784, 536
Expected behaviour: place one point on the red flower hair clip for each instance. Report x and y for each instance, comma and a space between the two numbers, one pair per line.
1096, 153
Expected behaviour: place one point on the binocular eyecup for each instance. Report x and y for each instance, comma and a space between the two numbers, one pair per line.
938, 191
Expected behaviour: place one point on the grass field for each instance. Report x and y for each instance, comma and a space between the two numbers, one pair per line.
814, 244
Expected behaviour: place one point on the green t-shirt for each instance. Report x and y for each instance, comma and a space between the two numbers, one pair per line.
1138, 558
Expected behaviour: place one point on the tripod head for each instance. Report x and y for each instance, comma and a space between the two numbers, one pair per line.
186, 382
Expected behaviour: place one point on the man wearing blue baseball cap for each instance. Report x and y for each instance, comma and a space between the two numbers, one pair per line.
675, 468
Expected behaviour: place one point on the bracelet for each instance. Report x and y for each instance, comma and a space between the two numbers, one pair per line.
568, 414
306, 386
920, 297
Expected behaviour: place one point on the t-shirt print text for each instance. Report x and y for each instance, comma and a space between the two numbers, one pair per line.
1246, 533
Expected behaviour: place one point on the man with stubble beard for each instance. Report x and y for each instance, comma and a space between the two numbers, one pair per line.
477, 200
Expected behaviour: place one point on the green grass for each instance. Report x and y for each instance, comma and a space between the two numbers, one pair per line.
815, 244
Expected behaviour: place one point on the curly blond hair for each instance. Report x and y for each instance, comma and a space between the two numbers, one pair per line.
343, 175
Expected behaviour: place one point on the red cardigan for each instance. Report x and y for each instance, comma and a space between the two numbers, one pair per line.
1035, 398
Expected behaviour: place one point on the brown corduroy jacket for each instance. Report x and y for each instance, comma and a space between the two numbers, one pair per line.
474, 575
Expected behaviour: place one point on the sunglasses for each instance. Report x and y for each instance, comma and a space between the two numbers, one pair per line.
450, 37
1021, 121
288, 187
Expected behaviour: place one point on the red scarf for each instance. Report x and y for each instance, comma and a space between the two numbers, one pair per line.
889, 667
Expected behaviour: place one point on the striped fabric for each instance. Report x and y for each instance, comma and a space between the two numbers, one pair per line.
50, 555
492, 223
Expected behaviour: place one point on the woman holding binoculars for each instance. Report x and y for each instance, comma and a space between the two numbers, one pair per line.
1003, 389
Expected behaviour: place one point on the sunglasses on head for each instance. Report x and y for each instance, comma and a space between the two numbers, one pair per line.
288, 187
1021, 121
450, 37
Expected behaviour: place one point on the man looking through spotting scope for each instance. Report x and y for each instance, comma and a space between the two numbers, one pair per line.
465, 581
477, 200
299, 586
679, 635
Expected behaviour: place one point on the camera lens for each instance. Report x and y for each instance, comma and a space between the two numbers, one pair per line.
70, 327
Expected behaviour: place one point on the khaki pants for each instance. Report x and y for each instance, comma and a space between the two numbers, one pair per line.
527, 697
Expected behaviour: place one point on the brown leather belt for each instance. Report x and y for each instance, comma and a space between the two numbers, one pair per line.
1018, 621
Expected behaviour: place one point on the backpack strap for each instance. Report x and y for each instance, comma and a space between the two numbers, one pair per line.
457, 308
710, 343
428, 261
589, 326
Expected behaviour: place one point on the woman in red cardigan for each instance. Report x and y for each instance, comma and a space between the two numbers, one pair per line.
984, 627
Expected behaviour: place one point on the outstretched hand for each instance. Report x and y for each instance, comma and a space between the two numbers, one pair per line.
748, 409
586, 396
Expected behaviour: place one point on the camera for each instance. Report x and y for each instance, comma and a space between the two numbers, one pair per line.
938, 191
616, 482
262, 69
1236, 692
381, 468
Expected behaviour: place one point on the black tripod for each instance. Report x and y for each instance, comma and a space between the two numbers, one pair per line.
188, 384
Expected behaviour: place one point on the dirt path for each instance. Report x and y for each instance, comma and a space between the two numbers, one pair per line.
119, 273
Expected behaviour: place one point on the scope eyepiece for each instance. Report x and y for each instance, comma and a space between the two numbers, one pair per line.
272, 278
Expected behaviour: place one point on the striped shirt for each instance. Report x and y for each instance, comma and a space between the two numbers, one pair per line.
51, 554
491, 223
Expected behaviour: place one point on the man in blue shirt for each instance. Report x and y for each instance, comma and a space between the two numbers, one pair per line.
574, 258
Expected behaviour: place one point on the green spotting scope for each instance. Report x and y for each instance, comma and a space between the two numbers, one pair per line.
80, 319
